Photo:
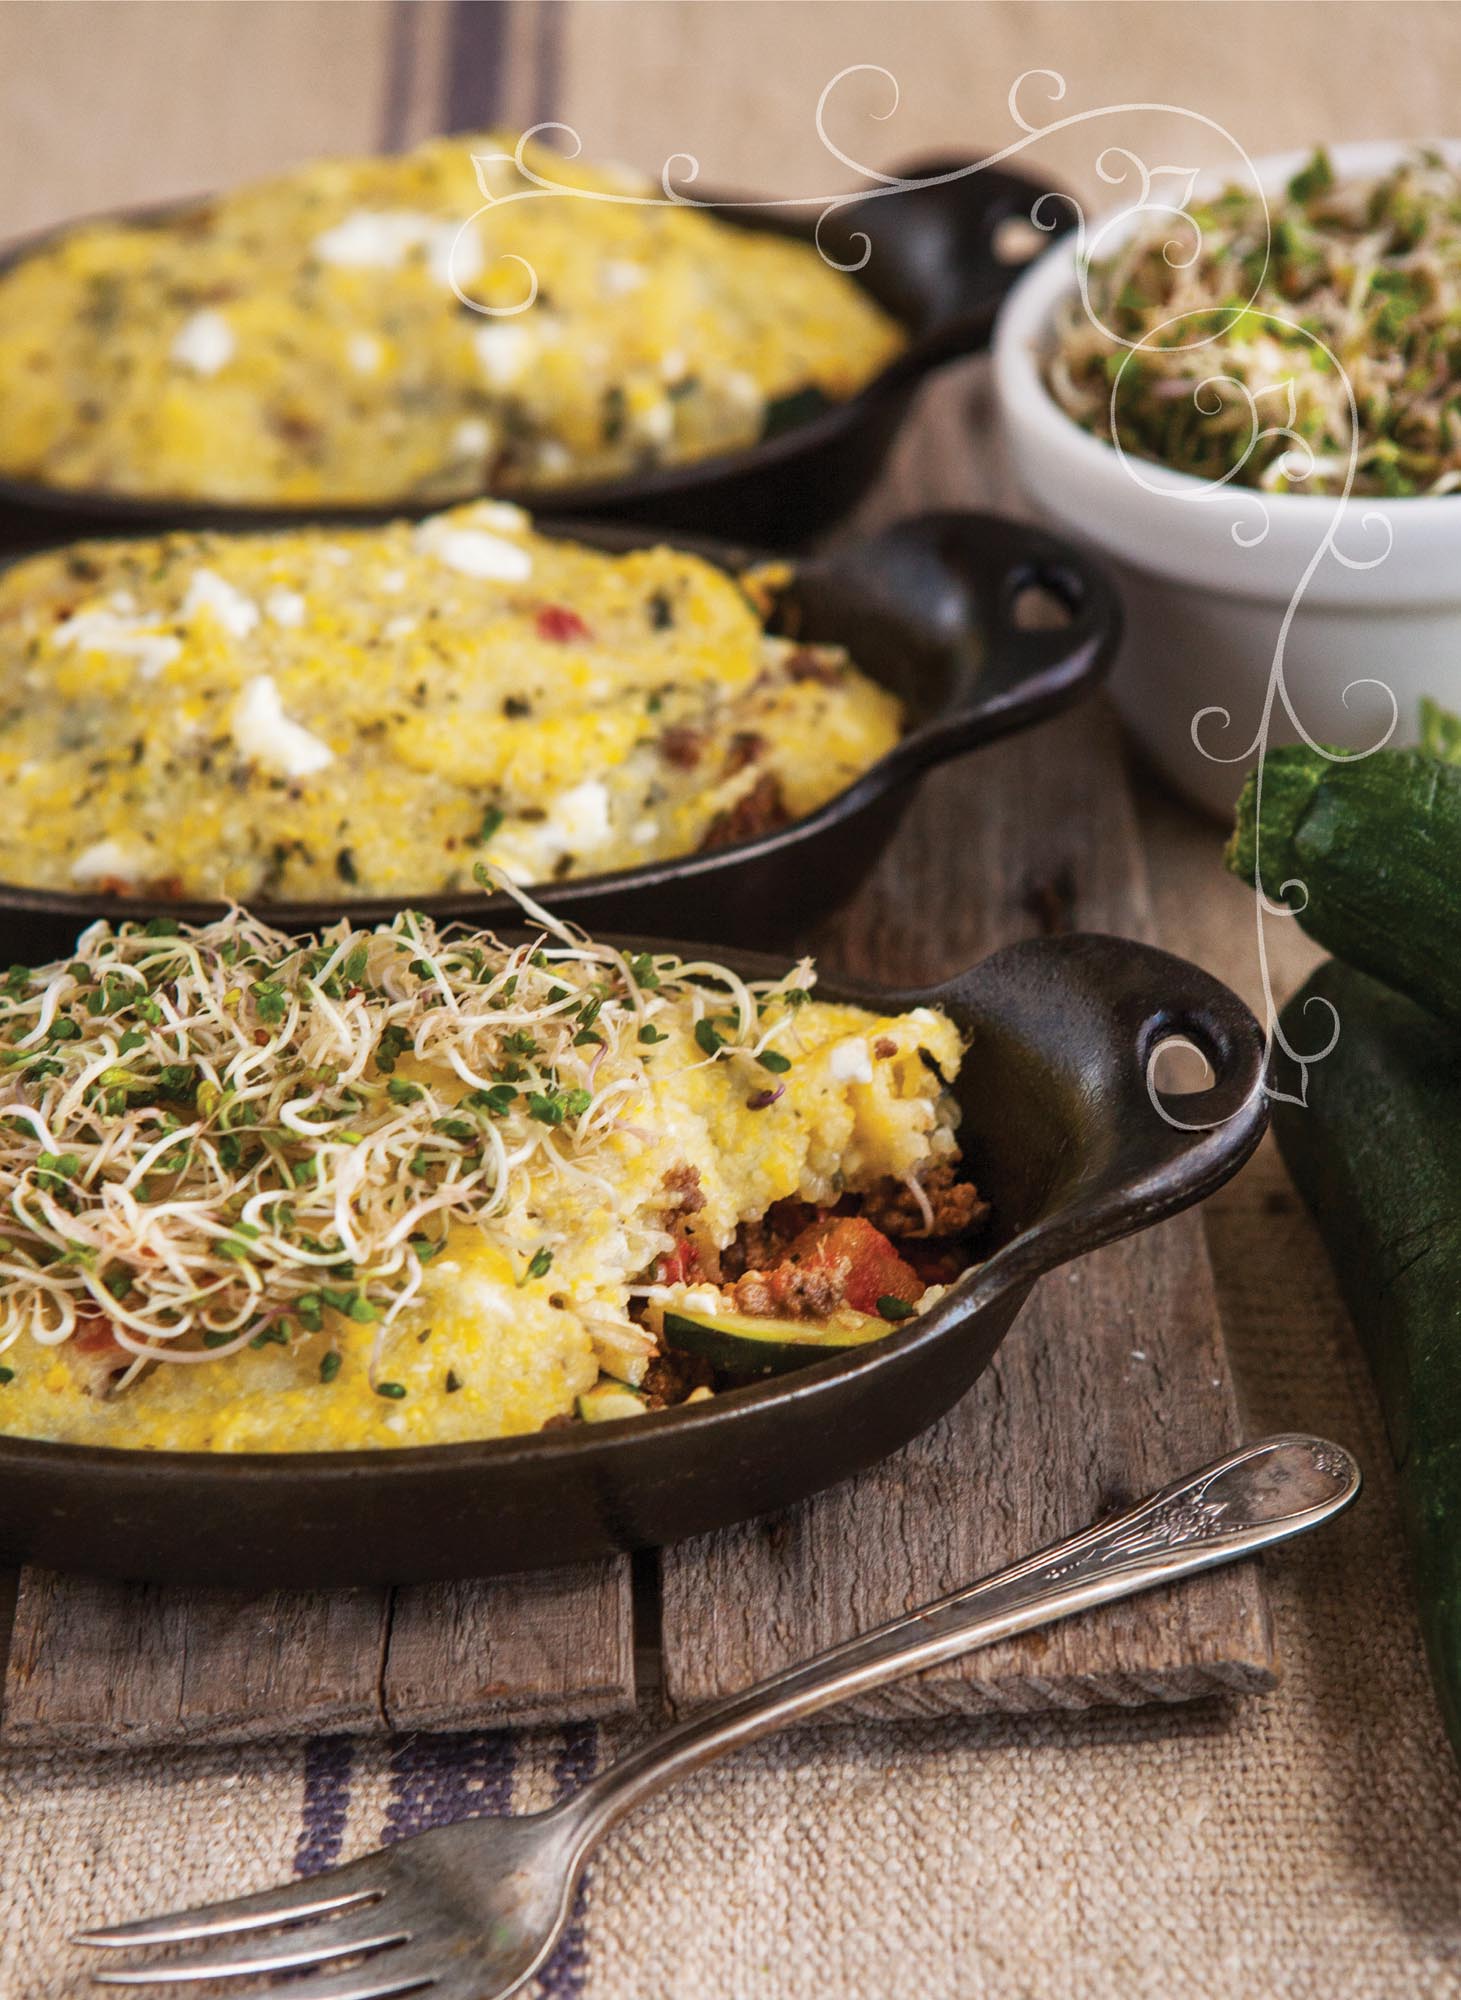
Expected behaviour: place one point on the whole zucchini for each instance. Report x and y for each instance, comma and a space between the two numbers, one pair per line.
1376, 1154
1376, 843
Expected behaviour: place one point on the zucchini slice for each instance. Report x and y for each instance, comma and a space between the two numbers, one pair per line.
608, 1400
746, 1345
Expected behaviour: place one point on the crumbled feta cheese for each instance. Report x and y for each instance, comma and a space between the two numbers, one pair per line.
455, 253
375, 239
204, 343
341, 558
110, 632
472, 438
364, 353
504, 348
741, 388
393, 580
285, 607
580, 816
382, 239
619, 276
643, 832
850, 1061
474, 553
398, 628
577, 823
210, 592
108, 859
501, 517
673, 366
265, 734
656, 425
701, 1299
554, 458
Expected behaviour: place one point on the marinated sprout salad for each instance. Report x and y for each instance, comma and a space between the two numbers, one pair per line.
1364, 273
401, 1186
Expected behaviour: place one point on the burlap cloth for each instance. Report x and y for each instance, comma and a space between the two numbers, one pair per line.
1305, 1842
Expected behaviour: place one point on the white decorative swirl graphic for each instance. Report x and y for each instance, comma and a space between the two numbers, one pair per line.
1158, 195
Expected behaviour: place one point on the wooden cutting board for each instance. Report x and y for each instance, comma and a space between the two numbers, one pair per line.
1114, 1380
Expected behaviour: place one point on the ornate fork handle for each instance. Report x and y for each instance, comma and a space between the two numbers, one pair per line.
1258, 1495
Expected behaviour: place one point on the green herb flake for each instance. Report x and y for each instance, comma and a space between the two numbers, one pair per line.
491, 824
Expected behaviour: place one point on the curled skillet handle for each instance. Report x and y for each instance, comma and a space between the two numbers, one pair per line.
946, 249
973, 575
1150, 1152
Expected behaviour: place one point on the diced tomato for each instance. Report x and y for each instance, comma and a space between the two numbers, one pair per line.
678, 1266
557, 621
95, 1334
935, 1263
849, 1249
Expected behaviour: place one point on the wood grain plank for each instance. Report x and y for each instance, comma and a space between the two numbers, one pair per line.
558, 1644
96, 1664
1115, 1377
1113, 1380
526, 1649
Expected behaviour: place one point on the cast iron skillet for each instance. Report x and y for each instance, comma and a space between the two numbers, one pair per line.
937, 265
1059, 1131
930, 608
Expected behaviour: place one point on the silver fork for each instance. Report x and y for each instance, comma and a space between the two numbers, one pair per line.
470, 1911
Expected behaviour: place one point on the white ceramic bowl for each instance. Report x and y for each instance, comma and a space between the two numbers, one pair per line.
1205, 613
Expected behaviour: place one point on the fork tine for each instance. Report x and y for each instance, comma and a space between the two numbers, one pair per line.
378, 1980
338, 1889
296, 1951
381, 1979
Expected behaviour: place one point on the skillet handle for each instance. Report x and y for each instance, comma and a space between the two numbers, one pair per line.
1164, 1151
981, 570
946, 250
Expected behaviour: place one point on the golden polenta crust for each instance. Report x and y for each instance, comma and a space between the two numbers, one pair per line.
322, 712
301, 339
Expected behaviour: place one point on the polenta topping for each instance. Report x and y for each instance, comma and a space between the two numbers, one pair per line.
321, 336
401, 1185
324, 712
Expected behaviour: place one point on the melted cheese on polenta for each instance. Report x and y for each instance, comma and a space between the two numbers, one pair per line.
318, 712
306, 338
395, 1189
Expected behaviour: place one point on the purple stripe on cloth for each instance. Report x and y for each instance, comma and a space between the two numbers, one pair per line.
565, 1974
328, 1764
438, 1779
401, 52
476, 50
547, 60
